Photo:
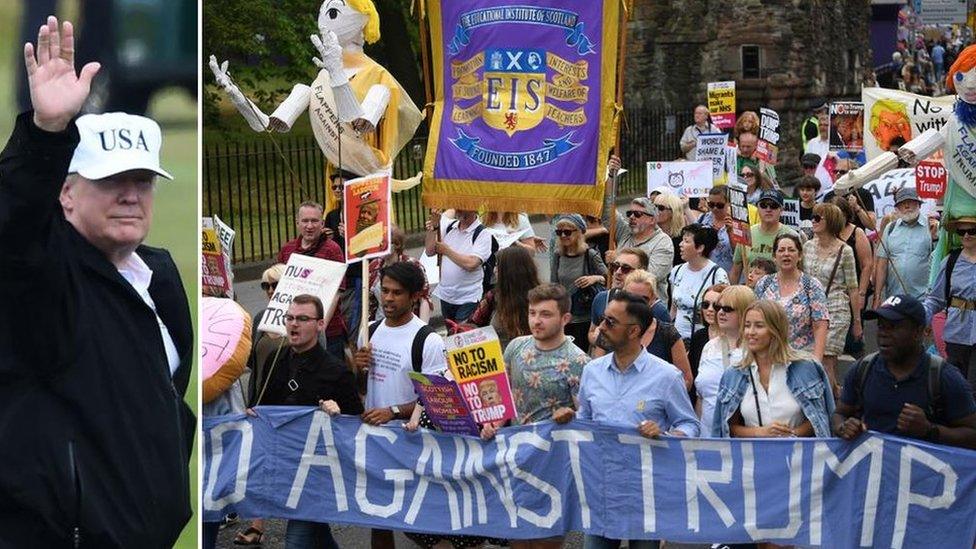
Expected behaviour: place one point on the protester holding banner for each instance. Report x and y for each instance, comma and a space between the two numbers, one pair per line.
639, 229
903, 390
580, 270
763, 234
670, 218
790, 394
689, 280
505, 307
463, 248
661, 338
903, 259
954, 291
831, 261
801, 296
703, 124
721, 352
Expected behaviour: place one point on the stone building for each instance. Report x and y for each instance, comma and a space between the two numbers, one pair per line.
783, 54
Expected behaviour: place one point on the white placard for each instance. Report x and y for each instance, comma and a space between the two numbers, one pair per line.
689, 179
884, 188
431, 269
790, 215
303, 275
711, 148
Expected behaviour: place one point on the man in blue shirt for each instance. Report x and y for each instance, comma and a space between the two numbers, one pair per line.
938, 59
902, 262
631, 387
894, 395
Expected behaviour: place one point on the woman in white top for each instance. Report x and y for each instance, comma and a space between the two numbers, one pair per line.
690, 279
721, 353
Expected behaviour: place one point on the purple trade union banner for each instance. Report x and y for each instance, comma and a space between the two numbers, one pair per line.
524, 109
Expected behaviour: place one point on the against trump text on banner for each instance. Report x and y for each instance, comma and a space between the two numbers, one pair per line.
544, 480
303, 275
524, 104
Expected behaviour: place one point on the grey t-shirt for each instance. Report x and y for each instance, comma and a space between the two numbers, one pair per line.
569, 268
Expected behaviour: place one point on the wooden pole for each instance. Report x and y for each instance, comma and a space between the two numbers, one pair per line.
621, 64
425, 59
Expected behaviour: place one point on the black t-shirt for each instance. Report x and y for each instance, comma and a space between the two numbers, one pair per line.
305, 378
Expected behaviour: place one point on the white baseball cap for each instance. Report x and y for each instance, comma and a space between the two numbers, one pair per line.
116, 142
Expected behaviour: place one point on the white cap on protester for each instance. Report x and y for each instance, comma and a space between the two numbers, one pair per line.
116, 142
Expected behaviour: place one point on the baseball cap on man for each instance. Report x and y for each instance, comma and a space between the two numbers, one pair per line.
810, 160
907, 192
772, 194
647, 204
899, 307
116, 142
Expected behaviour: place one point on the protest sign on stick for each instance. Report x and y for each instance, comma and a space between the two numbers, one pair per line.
710, 147
768, 145
476, 362
303, 275
444, 404
690, 179
846, 127
721, 104
217, 278
366, 209
741, 232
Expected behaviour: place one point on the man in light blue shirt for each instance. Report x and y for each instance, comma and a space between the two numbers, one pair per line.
631, 387
902, 265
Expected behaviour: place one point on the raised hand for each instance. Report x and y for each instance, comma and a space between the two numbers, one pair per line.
331, 55
57, 94
220, 72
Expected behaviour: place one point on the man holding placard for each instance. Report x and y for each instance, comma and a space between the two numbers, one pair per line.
763, 234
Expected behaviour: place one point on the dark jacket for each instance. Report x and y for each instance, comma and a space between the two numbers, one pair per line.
318, 376
96, 438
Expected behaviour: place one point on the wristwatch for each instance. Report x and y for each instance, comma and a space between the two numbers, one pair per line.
396, 411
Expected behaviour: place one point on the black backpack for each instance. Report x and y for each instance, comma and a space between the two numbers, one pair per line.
488, 266
933, 388
416, 349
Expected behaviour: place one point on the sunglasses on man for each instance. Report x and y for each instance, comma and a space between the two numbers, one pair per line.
636, 213
768, 205
622, 267
963, 232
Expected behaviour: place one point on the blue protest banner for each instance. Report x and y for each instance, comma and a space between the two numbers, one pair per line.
544, 480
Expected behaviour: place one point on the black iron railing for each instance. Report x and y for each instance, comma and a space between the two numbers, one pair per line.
256, 185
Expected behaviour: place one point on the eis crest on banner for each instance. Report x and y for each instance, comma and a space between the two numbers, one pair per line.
524, 104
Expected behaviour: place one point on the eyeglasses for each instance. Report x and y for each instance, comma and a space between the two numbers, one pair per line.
300, 318
622, 267
963, 232
724, 308
663, 208
716, 205
708, 304
817, 218
565, 232
769, 205
636, 213
747, 175
613, 322
269, 286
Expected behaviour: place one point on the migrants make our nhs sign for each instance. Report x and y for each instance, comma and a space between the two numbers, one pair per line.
544, 480
524, 104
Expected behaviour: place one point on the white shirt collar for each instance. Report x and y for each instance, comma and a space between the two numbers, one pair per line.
135, 270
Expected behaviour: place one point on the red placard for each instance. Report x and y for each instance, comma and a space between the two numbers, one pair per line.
930, 179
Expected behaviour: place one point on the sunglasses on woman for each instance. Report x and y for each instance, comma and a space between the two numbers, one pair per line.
705, 304
565, 232
622, 267
816, 218
963, 232
747, 175
269, 286
724, 308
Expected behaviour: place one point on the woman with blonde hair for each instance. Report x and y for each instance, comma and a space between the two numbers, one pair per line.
775, 390
828, 259
514, 222
722, 352
671, 219
580, 270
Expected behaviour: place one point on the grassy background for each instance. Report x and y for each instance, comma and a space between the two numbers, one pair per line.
175, 226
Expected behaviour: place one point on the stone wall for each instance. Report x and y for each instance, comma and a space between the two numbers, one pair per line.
810, 50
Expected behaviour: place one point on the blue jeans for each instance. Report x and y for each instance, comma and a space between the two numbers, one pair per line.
457, 313
303, 534
597, 542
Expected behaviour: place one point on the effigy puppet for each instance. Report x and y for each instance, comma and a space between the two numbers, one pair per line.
376, 116
957, 139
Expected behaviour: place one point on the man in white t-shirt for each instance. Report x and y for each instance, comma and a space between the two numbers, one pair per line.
690, 279
464, 246
820, 146
399, 344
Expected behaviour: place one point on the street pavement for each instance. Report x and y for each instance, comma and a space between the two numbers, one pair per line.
253, 299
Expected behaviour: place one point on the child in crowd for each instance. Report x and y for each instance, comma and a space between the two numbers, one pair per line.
759, 268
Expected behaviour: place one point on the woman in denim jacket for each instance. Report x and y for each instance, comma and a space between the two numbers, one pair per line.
775, 391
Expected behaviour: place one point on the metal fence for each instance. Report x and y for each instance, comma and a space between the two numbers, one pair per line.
256, 185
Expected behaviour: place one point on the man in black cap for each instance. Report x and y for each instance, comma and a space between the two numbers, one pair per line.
903, 390
764, 233
96, 343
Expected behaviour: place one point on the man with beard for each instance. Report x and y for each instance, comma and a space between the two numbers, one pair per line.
902, 265
631, 387
399, 344
903, 390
